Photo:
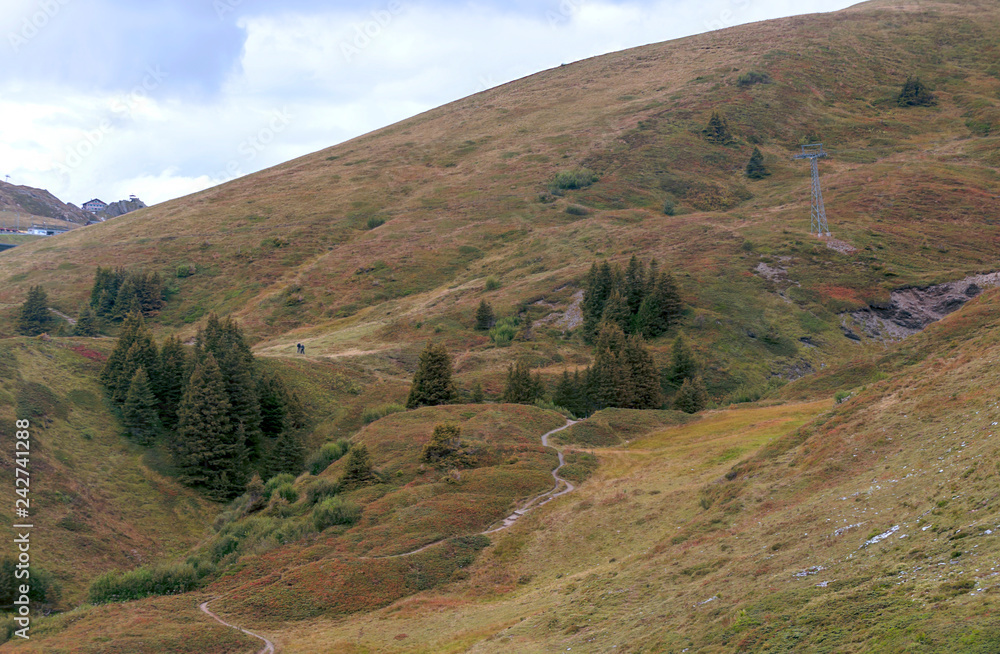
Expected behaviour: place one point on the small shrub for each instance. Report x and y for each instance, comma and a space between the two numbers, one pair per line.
915, 94
321, 459
577, 210
841, 396
504, 331
277, 480
753, 77
492, 283
143, 582
287, 492
374, 222
371, 414
669, 207
185, 270
573, 179
335, 511
320, 490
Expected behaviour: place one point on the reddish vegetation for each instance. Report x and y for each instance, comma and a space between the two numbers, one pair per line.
89, 354
840, 293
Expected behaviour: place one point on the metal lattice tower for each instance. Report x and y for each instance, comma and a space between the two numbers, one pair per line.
814, 152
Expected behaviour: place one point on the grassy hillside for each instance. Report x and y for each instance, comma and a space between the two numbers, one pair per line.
464, 191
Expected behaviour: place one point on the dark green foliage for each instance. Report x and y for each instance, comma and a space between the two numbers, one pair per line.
617, 312
492, 283
432, 384
623, 373
643, 376
669, 207
225, 341
571, 394
642, 300
753, 77
255, 496
320, 490
86, 322
635, 283
209, 449
573, 179
135, 348
599, 284
173, 368
755, 167
371, 414
444, 443
485, 319
335, 511
321, 459
577, 210
682, 366
44, 590
915, 94
358, 470
663, 310
140, 413
287, 454
717, 130
478, 397
505, 330
143, 582
116, 293
692, 396
35, 317
521, 387
374, 222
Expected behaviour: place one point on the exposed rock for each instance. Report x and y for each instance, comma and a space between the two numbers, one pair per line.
911, 309
121, 208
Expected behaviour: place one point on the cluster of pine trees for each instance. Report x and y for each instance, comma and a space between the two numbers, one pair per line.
118, 292
221, 415
641, 299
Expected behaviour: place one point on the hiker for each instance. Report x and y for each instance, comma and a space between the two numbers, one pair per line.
298, 348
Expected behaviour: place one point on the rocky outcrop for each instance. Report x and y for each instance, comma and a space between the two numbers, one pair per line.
121, 208
911, 309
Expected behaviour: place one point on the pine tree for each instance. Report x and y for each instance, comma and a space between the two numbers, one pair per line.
599, 284
273, 405
478, 397
208, 448
659, 310
717, 130
915, 94
149, 292
444, 442
635, 283
86, 322
358, 470
241, 388
35, 317
432, 384
520, 388
173, 371
564, 393
682, 366
287, 455
607, 381
485, 319
112, 372
139, 413
692, 396
141, 354
616, 311
643, 374
126, 301
580, 402
755, 167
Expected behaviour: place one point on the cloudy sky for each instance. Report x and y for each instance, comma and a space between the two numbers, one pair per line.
160, 98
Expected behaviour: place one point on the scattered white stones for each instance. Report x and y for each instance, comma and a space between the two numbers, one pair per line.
816, 569
881, 537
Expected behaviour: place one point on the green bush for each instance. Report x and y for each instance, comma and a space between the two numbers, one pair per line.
492, 283
335, 511
320, 490
577, 210
321, 459
374, 222
841, 396
286, 492
669, 207
371, 414
573, 179
143, 582
753, 77
504, 331
277, 480
185, 270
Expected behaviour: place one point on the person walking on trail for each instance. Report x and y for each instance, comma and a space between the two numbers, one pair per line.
298, 348
303, 348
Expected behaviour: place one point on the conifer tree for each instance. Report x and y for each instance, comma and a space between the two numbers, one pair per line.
606, 380
635, 283
86, 322
692, 396
287, 455
644, 378
581, 403
478, 397
209, 449
273, 405
915, 94
616, 311
599, 284
432, 383
173, 371
139, 413
520, 388
652, 276
717, 130
444, 442
358, 470
659, 310
755, 167
682, 366
35, 317
126, 301
112, 370
141, 354
485, 319
563, 395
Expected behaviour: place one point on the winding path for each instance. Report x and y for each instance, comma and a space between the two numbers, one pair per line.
268, 645
562, 486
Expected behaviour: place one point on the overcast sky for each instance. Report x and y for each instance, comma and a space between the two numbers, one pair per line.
161, 98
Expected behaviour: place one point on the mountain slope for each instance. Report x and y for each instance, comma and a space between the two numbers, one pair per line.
33, 205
